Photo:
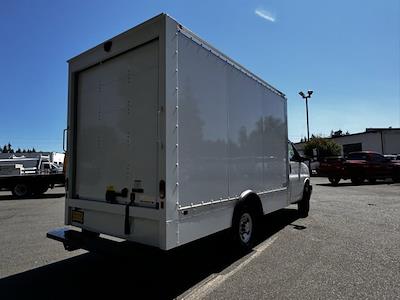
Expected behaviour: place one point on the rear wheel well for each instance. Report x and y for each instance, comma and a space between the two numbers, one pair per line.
251, 200
245, 221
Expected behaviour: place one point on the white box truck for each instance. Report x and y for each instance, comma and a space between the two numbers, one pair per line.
170, 140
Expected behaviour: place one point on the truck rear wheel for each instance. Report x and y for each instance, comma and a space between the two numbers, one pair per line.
20, 190
244, 227
41, 189
334, 180
356, 180
396, 176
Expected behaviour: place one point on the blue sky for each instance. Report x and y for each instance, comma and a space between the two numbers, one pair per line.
348, 52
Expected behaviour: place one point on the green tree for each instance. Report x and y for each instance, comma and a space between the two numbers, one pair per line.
7, 149
325, 147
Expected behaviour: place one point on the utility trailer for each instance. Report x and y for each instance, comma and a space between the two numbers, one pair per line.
170, 140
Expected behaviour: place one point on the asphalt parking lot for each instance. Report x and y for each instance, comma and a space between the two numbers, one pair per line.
348, 248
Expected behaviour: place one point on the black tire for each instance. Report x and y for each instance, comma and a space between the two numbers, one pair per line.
244, 227
356, 180
396, 176
21, 190
303, 206
334, 180
41, 189
372, 180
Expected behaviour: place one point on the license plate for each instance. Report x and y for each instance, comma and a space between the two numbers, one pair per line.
77, 216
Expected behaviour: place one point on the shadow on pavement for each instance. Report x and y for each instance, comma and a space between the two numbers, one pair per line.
344, 184
136, 271
43, 196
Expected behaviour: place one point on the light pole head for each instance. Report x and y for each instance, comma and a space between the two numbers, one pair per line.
302, 94
310, 92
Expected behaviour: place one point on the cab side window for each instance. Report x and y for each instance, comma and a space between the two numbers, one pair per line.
377, 157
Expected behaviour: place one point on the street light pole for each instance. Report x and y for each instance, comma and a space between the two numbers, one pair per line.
309, 93
308, 128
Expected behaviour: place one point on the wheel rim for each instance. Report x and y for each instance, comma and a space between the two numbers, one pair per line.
245, 228
20, 190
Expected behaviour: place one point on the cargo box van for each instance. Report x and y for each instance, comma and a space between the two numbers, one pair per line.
170, 140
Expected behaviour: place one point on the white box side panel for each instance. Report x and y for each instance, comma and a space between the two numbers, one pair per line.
245, 133
232, 129
274, 141
203, 125
117, 106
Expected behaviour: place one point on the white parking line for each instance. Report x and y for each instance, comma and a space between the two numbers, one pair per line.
213, 283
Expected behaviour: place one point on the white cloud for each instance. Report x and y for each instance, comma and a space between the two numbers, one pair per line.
265, 14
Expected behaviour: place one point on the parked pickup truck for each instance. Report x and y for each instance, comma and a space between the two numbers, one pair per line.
359, 166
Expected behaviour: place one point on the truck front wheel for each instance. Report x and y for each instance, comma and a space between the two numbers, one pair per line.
303, 206
20, 190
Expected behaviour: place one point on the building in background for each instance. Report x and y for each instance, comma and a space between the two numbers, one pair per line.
382, 140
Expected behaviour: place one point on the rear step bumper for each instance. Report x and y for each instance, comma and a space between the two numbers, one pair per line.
73, 240
91, 241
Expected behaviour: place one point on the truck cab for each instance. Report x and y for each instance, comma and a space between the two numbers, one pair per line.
299, 180
48, 167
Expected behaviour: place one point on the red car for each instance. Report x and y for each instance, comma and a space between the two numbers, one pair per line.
359, 166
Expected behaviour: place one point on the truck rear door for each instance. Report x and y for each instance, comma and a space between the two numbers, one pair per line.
116, 132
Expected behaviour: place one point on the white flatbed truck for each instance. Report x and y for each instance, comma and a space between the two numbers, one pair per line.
26, 177
170, 140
